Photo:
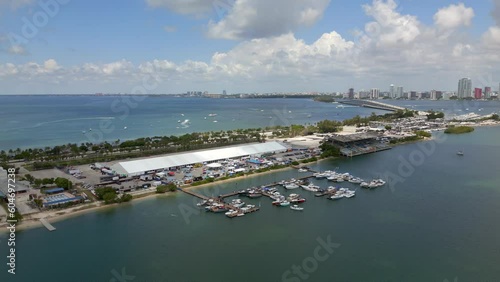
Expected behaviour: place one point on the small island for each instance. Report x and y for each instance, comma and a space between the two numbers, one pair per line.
458, 129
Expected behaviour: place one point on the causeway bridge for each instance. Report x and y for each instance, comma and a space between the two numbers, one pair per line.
371, 104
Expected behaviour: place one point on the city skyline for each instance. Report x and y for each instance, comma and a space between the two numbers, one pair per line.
50, 47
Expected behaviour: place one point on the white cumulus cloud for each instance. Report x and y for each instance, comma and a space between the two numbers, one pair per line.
454, 16
393, 47
249, 19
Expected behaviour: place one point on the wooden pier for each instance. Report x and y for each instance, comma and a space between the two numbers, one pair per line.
47, 224
220, 200
200, 196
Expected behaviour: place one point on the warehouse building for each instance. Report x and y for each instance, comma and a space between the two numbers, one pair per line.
139, 167
18, 186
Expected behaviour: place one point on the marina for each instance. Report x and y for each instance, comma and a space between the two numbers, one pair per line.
237, 208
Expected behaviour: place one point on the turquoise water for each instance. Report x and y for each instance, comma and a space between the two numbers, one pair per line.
437, 223
38, 121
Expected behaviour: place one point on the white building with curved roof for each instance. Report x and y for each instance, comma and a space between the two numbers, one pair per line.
141, 166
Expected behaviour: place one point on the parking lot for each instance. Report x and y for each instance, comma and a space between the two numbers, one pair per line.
98, 175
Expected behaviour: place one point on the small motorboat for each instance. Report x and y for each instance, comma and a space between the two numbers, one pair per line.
254, 195
460, 153
336, 197
311, 187
298, 200
237, 203
319, 175
284, 203
276, 203
202, 203
231, 213
350, 194
296, 208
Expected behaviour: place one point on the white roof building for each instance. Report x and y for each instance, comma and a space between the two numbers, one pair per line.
19, 187
138, 167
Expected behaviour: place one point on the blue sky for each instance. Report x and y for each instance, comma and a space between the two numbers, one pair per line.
252, 46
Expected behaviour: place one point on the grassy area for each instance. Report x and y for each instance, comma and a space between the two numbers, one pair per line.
459, 129
90, 195
407, 139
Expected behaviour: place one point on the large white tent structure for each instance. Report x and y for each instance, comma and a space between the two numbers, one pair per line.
138, 167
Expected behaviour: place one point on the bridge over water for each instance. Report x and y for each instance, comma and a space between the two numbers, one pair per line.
371, 104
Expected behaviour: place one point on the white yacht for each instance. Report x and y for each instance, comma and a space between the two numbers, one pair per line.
311, 187
319, 175
336, 197
291, 186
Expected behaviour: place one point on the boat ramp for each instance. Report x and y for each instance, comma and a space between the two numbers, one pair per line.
47, 224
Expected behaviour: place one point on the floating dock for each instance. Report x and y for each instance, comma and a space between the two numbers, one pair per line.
47, 224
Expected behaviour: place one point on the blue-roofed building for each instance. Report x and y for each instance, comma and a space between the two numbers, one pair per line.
60, 199
54, 191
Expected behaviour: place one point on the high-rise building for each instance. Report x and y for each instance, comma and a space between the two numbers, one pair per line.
413, 95
433, 95
351, 93
374, 93
224, 92
399, 92
364, 94
464, 88
478, 93
392, 91
487, 92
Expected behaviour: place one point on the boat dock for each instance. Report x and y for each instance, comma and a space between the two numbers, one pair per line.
47, 224
220, 199
194, 194
238, 208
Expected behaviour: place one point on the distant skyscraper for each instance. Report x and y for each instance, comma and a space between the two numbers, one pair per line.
224, 92
374, 93
351, 93
399, 92
464, 88
392, 91
487, 92
433, 95
478, 93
